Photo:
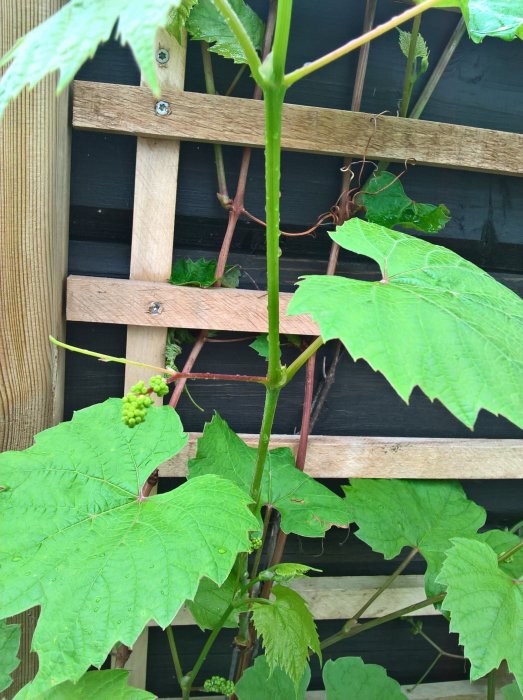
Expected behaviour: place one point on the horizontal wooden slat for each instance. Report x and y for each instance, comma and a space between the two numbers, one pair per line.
103, 300
339, 597
450, 690
340, 457
229, 120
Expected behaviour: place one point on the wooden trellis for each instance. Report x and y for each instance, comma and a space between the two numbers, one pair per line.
148, 305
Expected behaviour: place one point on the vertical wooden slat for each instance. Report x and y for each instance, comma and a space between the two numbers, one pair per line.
156, 180
34, 205
153, 217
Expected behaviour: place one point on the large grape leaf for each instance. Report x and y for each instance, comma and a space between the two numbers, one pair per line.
387, 204
78, 539
307, 507
288, 632
434, 320
211, 601
396, 513
260, 682
486, 607
9, 643
349, 678
206, 23
95, 685
69, 37
498, 18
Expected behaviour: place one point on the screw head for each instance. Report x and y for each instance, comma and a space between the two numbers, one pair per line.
162, 56
162, 108
155, 308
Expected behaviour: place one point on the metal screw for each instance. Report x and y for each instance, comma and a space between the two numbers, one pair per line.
162, 56
155, 308
162, 108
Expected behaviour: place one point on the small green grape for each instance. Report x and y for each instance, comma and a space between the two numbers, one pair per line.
158, 385
218, 684
256, 543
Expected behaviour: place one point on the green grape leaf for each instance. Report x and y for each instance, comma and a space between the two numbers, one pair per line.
202, 273
102, 685
211, 601
497, 18
349, 678
260, 682
206, 23
306, 507
178, 19
193, 273
501, 541
69, 37
9, 643
391, 207
288, 632
433, 320
261, 345
422, 50
231, 277
511, 692
486, 608
79, 539
288, 571
396, 513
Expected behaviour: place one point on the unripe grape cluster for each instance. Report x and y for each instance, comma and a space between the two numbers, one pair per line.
256, 543
218, 684
137, 401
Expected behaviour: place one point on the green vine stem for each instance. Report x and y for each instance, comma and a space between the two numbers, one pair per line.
410, 72
491, 684
175, 655
381, 29
223, 194
351, 630
302, 359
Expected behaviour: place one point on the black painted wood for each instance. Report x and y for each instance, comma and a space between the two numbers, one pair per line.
477, 89
405, 660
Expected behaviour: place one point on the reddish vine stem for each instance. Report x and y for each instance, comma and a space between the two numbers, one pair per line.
219, 377
236, 207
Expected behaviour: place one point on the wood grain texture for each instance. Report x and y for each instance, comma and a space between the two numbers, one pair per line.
155, 189
339, 597
34, 207
340, 457
104, 300
240, 122
451, 690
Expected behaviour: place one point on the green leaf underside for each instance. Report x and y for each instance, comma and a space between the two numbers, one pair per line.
391, 207
211, 602
95, 556
511, 692
422, 50
207, 24
178, 19
288, 632
259, 682
202, 273
261, 345
95, 685
497, 18
435, 321
71, 36
288, 570
396, 513
349, 678
501, 541
307, 508
486, 607
9, 643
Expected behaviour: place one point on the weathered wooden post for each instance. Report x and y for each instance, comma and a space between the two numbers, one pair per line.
34, 203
